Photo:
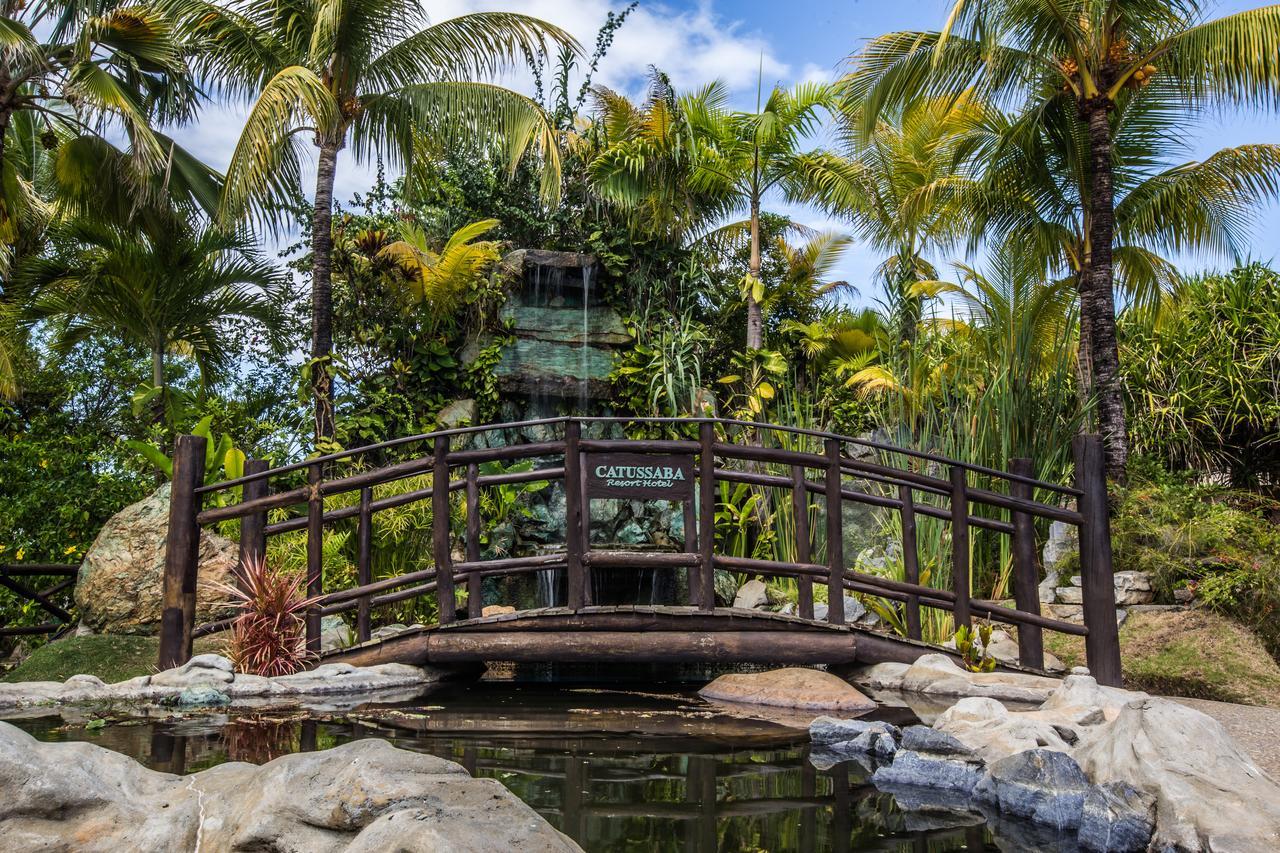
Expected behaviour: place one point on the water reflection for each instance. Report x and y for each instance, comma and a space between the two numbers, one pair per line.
614, 771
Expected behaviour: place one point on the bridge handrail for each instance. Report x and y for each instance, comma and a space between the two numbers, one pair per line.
471, 430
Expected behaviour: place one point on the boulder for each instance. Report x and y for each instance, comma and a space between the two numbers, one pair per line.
931, 759
853, 610
1209, 795
938, 674
839, 740
200, 670
751, 595
458, 413
1040, 785
1070, 595
806, 689
334, 634
121, 582
1117, 818
989, 729
365, 795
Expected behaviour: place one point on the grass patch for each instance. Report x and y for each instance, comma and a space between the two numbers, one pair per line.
111, 657
1195, 653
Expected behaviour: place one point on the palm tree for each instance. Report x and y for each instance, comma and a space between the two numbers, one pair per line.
914, 168
440, 280
170, 291
742, 157
1094, 55
368, 73
99, 60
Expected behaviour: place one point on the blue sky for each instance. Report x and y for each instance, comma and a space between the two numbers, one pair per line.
699, 40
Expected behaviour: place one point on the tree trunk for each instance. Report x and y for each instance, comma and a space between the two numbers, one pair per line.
157, 382
322, 293
1097, 296
755, 317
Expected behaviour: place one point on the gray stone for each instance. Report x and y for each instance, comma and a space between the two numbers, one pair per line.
334, 634
361, 796
1117, 818
458, 413
1041, 785
853, 610
1063, 542
1048, 587
929, 759
1133, 588
938, 674
200, 670
1070, 595
855, 737
121, 581
751, 595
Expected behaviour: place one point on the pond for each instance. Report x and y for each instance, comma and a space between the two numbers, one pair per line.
615, 769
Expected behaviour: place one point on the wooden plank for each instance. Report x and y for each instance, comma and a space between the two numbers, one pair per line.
835, 535
574, 506
182, 552
315, 552
446, 601
960, 546
364, 562
1026, 571
1102, 646
910, 559
804, 552
702, 589
475, 583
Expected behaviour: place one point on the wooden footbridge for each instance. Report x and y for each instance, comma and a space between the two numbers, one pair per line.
808, 473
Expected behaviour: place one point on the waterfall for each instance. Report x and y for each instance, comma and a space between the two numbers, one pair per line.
584, 390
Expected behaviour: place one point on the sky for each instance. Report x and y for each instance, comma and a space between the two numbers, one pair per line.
695, 41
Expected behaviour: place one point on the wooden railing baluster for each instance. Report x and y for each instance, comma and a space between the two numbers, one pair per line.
1026, 573
1102, 644
315, 553
364, 562
447, 602
960, 546
702, 586
835, 535
182, 552
804, 554
910, 558
253, 527
475, 586
575, 516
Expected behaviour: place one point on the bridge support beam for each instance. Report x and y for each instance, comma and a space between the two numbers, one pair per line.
799, 647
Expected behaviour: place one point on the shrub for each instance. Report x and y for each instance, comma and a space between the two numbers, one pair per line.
269, 636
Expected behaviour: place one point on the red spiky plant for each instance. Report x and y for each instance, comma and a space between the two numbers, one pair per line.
269, 637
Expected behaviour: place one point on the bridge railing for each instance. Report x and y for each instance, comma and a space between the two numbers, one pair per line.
835, 468
46, 599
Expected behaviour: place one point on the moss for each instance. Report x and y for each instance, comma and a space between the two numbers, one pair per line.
111, 657
1195, 653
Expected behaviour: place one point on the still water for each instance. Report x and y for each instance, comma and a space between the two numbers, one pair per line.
616, 770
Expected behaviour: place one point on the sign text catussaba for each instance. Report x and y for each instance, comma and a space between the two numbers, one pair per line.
639, 475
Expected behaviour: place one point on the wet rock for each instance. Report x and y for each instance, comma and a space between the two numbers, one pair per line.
1040, 785
931, 759
751, 595
807, 689
1209, 794
844, 739
203, 697
121, 581
361, 796
1117, 818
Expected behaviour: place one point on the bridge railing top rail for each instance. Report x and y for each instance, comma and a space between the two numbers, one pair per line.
883, 447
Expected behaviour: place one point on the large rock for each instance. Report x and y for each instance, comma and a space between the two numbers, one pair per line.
806, 689
988, 728
1133, 588
751, 595
931, 759
841, 740
938, 674
1039, 785
1117, 818
121, 583
1209, 795
362, 796
853, 610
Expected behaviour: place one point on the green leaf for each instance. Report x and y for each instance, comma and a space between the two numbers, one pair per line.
153, 455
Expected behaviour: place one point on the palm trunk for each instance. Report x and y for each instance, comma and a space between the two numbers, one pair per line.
755, 317
1097, 296
322, 293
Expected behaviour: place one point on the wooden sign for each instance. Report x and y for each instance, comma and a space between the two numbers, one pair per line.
643, 476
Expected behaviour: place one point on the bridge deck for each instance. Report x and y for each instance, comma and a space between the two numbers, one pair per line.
636, 633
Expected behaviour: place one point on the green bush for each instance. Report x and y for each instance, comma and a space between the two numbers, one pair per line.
1210, 539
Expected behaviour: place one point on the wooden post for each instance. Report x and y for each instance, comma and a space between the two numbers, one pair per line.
446, 600
475, 587
804, 554
364, 562
253, 527
315, 554
703, 591
1026, 572
910, 558
960, 545
574, 530
182, 552
835, 536
1102, 644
